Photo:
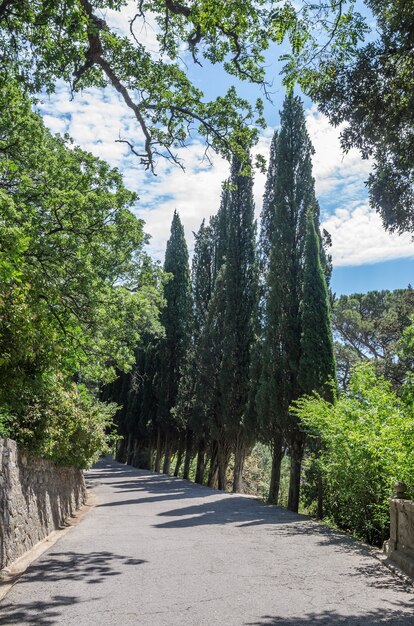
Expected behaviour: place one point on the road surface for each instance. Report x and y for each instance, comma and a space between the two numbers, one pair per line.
160, 551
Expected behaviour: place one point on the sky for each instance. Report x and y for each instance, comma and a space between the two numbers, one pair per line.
365, 256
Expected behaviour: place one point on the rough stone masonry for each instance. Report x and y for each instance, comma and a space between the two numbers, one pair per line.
36, 497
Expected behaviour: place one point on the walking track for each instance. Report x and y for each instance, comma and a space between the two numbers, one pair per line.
160, 551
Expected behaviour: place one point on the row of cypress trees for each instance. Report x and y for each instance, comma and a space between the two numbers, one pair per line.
247, 332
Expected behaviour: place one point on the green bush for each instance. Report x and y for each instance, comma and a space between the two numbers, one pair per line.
366, 444
60, 421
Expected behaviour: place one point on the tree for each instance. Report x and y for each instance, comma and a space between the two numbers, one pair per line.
240, 317
362, 76
176, 319
367, 86
317, 362
368, 327
75, 298
189, 402
43, 42
209, 352
294, 197
210, 394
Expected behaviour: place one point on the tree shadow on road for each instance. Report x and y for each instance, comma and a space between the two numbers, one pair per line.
381, 617
41, 613
284, 525
91, 568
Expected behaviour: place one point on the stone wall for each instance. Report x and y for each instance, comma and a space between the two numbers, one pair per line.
400, 546
36, 497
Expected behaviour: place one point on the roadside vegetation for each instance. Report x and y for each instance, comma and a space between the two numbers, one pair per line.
243, 371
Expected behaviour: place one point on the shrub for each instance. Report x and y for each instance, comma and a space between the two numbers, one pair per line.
61, 421
366, 445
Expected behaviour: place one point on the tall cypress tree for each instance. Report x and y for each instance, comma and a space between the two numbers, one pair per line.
210, 396
293, 197
176, 319
209, 405
317, 361
240, 319
189, 408
267, 216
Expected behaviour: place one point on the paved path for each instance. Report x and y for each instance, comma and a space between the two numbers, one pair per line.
159, 551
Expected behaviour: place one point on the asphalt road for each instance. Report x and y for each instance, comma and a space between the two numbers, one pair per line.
159, 551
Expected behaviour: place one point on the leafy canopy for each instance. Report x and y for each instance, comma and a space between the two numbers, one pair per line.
77, 289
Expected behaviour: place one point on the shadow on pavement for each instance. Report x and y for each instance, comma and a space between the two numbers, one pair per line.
331, 618
91, 568
41, 613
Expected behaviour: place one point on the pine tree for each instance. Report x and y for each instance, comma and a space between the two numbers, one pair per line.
240, 319
293, 197
176, 319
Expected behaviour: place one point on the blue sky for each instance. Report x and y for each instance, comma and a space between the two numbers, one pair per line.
365, 256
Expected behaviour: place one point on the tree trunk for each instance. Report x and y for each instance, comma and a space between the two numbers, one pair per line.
200, 462
296, 453
167, 457
121, 451
239, 457
223, 461
157, 465
188, 454
136, 454
213, 471
277, 456
129, 450
180, 454
150, 454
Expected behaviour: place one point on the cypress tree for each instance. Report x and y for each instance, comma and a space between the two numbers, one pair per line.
317, 362
176, 319
202, 274
293, 197
267, 214
210, 389
188, 408
240, 319
209, 405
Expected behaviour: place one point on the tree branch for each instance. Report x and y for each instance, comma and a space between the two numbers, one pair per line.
4, 7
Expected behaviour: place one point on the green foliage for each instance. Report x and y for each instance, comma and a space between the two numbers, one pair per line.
369, 327
285, 225
317, 363
365, 83
59, 420
42, 42
361, 76
366, 446
77, 289
240, 316
177, 321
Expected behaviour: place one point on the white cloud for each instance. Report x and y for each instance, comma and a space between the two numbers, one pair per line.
331, 167
95, 119
358, 238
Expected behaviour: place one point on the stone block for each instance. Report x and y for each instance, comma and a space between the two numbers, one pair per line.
400, 546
